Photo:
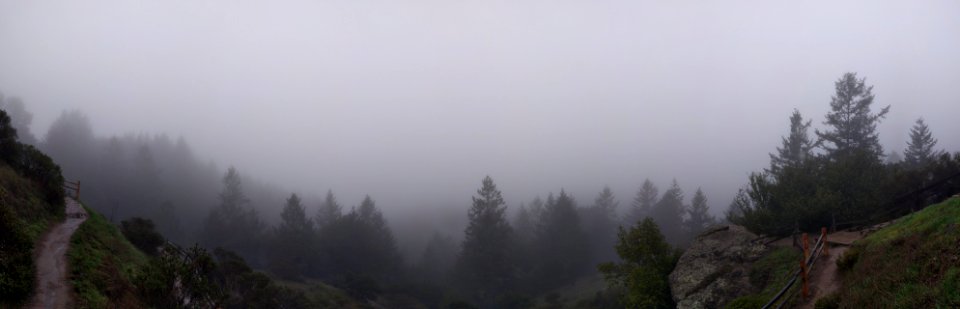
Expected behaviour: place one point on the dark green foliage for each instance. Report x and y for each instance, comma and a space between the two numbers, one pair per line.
668, 214
438, 259
16, 260
330, 210
647, 260
852, 125
39, 167
104, 266
233, 224
485, 266
561, 244
141, 233
292, 242
600, 226
359, 243
643, 203
920, 152
796, 148
177, 275
9, 146
698, 216
20, 118
748, 302
831, 301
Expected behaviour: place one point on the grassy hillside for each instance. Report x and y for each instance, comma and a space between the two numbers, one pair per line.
913, 263
103, 265
24, 215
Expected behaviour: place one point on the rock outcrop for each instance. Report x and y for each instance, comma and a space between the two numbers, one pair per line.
716, 268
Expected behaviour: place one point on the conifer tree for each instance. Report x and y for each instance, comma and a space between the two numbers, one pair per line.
233, 225
853, 126
668, 213
919, 150
796, 147
600, 225
643, 203
698, 216
330, 210
292, 241
561, 242
647, 262
484, 265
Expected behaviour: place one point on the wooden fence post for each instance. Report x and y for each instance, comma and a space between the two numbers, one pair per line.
803, 266
823, 238
78, 190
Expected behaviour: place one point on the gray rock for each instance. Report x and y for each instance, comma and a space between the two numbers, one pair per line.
716, 268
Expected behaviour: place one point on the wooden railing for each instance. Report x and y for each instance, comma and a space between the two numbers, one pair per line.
806, 264
74, 187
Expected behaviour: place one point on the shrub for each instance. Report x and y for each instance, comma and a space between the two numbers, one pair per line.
141, 233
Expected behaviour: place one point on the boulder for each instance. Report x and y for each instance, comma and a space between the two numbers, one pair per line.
716, 268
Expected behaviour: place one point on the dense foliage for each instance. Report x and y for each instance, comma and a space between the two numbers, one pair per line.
647, 260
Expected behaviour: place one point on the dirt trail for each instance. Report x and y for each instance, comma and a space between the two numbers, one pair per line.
53, 290
823, 277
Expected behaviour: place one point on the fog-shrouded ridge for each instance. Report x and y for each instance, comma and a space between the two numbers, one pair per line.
389, 116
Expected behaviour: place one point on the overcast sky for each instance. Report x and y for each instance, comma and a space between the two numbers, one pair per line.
415, 101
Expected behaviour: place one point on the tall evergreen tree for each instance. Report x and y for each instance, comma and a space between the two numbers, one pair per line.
600, 225
853, 126
233, 225
669, 212
330, 210
561, 242
698, 216
919, 150
437, 259
524, 224
796, 147
643, 203
647, 262
292, 239
484, 264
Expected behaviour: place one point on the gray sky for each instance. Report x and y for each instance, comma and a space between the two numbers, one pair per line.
415, 101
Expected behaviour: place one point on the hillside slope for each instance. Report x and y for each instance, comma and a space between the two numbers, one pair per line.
913, 263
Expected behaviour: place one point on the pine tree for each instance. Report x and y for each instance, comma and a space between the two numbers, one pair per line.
796, 147
524, 224
668, 213
698, 216
437, 259
643, 203
484, 264
600, 225
232, 225
919, 150
561, 242
291, 247
647, 262
330, 210
853, 126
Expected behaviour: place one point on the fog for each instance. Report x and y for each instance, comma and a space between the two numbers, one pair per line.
414, 102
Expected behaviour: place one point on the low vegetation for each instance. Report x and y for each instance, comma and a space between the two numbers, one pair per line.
104, 265
914, 263
769, 274
31, 199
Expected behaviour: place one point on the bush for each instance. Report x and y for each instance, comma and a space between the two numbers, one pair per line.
831, 301
747, 302
848, 259
16, 261
141, 233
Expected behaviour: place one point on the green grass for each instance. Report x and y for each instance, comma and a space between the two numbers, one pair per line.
103, 265
24, 217
769, 274
913, 263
